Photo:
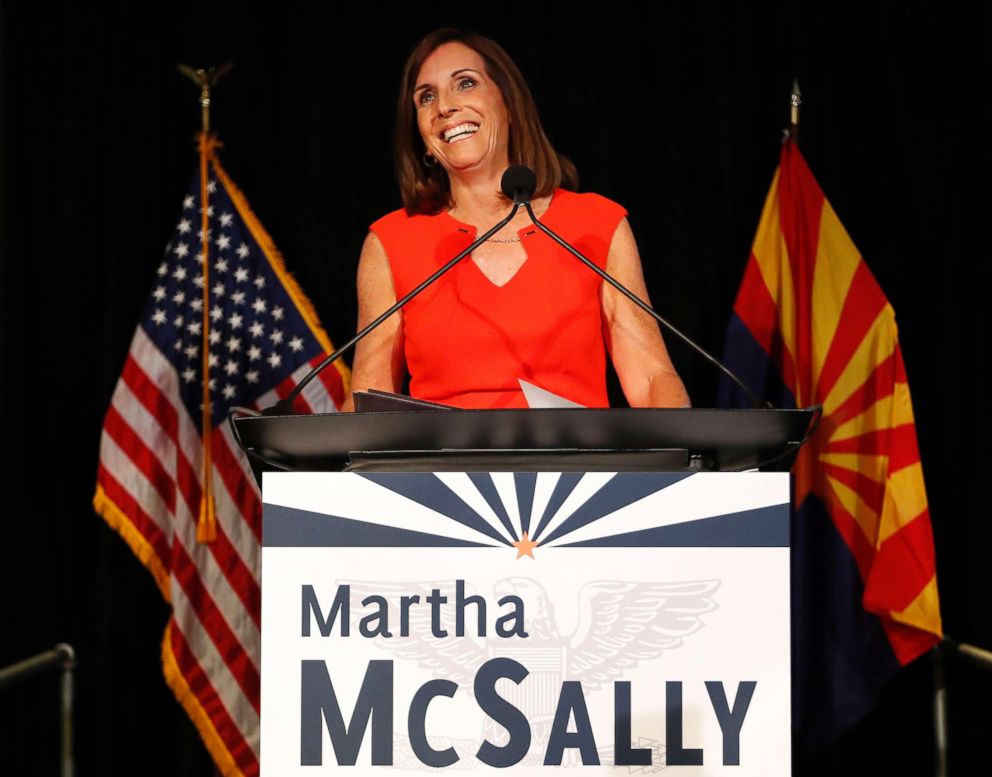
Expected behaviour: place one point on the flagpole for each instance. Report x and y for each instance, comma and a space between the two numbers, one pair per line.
206, 526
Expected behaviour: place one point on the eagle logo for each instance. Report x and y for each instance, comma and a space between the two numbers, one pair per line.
620, 625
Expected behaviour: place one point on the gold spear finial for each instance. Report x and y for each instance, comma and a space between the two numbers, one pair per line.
795, 100
206, 79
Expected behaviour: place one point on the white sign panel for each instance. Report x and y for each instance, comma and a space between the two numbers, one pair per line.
601, 623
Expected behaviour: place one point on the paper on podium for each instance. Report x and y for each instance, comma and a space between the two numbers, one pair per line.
538, 397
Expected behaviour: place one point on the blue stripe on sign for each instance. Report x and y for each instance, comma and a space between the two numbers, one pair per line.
566, 484
765, 527
425, 489
288, 527
623, 489
485, 486
525, 483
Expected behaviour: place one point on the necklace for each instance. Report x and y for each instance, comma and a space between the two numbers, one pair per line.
503, 240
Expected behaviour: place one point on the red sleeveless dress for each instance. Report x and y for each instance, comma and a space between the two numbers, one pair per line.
468, 341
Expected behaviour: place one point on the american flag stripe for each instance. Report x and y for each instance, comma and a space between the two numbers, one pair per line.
234, 561
237, 557
217, 693
237, 571
183, 668
171, 456
238, 460
130, 483
263, 337
237, 546
281, 391
316, 392
334, 385
151, 397
211, 590
231, 473
148, 543
144, 458
155, 395
204, 654
239, 487
316, 397
132, 405
152, 371
227, 605
207, 600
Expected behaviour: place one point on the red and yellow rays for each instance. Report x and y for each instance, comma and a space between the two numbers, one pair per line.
814, 306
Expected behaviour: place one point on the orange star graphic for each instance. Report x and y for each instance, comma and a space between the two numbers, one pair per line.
525, 547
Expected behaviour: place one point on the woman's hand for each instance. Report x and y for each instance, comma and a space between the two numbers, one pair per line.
639, 355
379, 361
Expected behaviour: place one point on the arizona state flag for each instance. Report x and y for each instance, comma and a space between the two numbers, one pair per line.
812, 326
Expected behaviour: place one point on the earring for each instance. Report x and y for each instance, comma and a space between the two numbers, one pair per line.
429, 160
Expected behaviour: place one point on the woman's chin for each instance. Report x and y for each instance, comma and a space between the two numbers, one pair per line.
474, 166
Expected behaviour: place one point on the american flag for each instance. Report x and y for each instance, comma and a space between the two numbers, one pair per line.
262, 337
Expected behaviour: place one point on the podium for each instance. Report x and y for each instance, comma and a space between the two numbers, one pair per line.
601, 594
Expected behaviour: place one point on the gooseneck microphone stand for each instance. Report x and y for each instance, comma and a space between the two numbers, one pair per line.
519, 183
284, 406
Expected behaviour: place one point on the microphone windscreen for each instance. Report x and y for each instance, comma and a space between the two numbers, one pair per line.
518, 178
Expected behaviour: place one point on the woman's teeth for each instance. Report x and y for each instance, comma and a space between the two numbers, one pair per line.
460, 132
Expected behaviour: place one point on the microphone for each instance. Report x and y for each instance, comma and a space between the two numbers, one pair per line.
519, 183
285, 406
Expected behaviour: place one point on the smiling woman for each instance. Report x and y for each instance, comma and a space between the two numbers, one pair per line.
520, 308
426, 187
456, 106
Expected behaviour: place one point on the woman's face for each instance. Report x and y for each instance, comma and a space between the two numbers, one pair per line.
461, 115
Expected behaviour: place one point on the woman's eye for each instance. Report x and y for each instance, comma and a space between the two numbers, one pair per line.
466, 82
424, 97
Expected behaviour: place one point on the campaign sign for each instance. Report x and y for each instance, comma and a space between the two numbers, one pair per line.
599, 623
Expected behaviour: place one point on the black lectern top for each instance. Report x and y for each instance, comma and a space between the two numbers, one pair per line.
608, 439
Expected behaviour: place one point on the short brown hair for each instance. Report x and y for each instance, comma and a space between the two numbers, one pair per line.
426, 189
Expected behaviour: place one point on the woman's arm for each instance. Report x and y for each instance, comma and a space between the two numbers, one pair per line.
639, 355
379, 356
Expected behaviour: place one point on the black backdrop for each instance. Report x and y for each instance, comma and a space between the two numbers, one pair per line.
674, 109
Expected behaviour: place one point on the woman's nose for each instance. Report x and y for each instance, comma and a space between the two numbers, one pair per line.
446, 103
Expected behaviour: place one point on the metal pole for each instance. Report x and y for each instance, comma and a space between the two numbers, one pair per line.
67, 698
939, 711
975, 655
63, 657
980, 657
29, 667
